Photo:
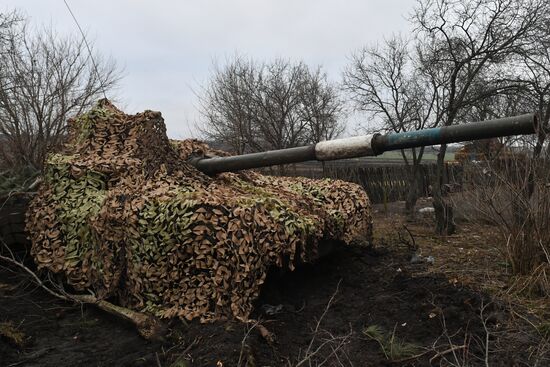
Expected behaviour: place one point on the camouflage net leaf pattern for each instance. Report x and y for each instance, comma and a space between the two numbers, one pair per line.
122, 214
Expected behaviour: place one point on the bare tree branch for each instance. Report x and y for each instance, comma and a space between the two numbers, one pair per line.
44, 79
255, 107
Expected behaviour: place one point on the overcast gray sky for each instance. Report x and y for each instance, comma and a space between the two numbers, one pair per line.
167, 47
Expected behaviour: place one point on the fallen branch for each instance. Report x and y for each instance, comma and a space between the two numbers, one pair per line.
148, 326
268, 336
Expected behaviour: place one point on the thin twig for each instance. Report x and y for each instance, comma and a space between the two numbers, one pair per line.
309, 354
245, 338
450, 350
35, 278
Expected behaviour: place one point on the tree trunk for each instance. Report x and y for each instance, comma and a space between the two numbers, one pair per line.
444, 219
414, 192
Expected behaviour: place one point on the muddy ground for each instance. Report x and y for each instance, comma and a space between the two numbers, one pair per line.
355, 307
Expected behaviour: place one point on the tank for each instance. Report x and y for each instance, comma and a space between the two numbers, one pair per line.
123, 214
370, 145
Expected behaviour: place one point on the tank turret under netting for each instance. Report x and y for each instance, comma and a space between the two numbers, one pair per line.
122, 214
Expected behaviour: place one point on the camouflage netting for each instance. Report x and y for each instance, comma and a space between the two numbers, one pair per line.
122, 214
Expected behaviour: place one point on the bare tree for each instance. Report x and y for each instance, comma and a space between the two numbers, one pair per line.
7, 21
320, 107
535, 73
258, 106
227, 105
278, 101
459, 43
382, 82
44, 79
511, 188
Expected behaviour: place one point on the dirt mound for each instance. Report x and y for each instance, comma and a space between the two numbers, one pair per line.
122, 214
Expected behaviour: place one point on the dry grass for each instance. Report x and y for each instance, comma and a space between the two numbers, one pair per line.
393, 347
474, 258
471, 257
513, 196
11, 333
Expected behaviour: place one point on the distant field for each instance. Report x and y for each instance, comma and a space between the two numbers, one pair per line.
426, 156
387, 158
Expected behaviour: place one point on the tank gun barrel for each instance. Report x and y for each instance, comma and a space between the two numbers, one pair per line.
371, 145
